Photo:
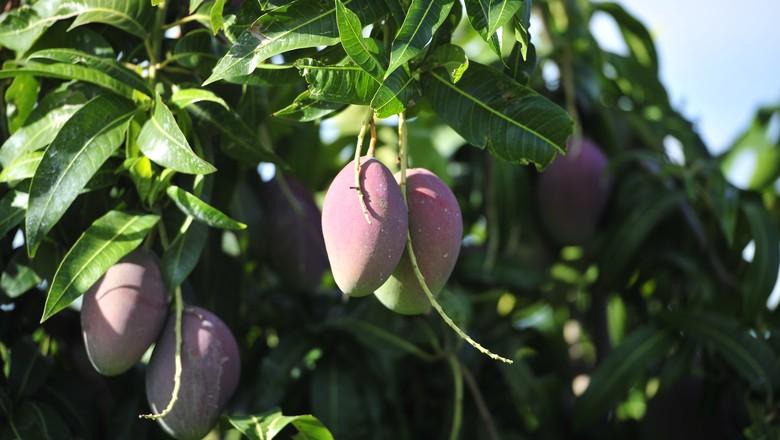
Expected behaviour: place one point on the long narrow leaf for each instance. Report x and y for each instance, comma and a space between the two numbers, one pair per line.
87, 140
104, 243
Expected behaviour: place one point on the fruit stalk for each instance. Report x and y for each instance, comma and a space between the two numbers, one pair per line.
402, 155
372, 141
179, 306
358, 148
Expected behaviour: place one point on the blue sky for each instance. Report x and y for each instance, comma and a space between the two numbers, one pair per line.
720, 59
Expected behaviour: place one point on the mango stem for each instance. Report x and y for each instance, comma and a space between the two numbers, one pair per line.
179, 306
402, 153
358, 148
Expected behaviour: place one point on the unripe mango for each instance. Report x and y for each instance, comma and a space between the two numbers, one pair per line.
294, 229
362, 256
572, 193
123, 313
211, 368
436, 229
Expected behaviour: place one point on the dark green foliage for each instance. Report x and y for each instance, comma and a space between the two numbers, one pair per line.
141, 123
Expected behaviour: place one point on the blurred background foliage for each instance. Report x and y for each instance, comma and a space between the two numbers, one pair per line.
660, 326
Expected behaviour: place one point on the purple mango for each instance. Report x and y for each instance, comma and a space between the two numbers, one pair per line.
572, 193
211, 368
436, 229
362, 256
123, 313
293, 226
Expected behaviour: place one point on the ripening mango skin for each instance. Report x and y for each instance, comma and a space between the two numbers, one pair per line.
211, 368
297, 251
436, 229
362, 256
123, 313
572, 193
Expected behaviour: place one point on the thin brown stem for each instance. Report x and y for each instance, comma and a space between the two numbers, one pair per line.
479, 400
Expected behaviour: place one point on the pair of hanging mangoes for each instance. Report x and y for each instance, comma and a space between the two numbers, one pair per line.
125, 312
366, 241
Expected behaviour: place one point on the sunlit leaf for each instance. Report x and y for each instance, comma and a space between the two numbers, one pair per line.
162, 141
492, 111
87, 140
268, 425
104, 243
297, 25
191, 205
422, 20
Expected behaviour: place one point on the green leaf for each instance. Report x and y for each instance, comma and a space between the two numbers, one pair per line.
640, 350
750, 356
452, 58
71, 72
87, 140
36, 420
132, 16
636, 36
762, 274
422, 20
395, 93
108, 66
183, 254
298, 25
521, 63
162, 141
305, 108
103, 244
753, 161
215, 16
181, 98
239, 141
194, 4
624, 242
23, 167
191, 205
364, 52
268, 425
12, 207
21, 27
20, 98
197, 48
18, 277
487, 17
36, 135
343, 83
491, 110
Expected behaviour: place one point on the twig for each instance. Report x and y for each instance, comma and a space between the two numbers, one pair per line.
457, 404
480, 402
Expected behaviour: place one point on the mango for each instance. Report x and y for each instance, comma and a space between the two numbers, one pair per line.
211, 368
572, 193
363, 256
123, 313
293, 228
436, 229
